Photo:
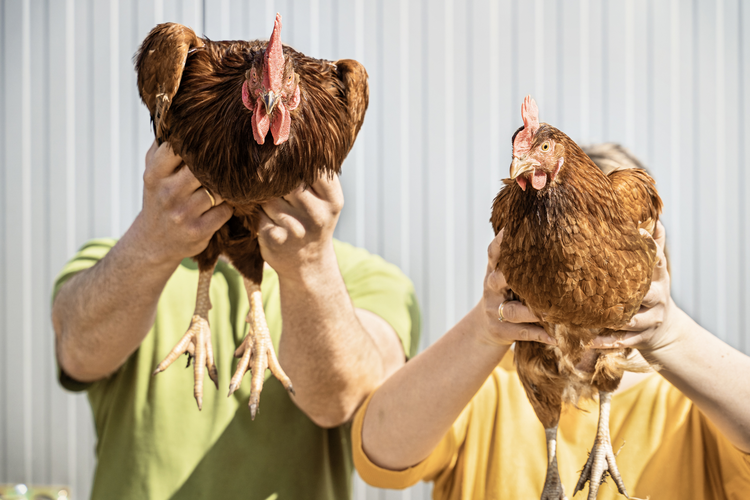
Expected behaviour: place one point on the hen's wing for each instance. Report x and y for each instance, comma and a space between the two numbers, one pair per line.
637, 194
354, 77
159, 63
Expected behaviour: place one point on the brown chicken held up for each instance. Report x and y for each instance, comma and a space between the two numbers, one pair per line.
574, 253
215, 103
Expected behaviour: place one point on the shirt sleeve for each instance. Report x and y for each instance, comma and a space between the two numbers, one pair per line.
91, 253
727, 466
381, 288
442, 457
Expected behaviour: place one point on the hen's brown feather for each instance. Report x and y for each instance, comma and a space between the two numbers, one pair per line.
573, 253
206, 123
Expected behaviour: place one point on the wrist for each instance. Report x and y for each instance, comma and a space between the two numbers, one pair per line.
312, 268
677, 328
483, 332
140, 240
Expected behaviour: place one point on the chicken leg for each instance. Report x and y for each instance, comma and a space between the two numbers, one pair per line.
601, 459
257, 349
196, 342
553, 488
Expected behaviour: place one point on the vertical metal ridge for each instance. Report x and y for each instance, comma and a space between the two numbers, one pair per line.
630, 76
450, 159
605, 71
675, 167
743, 181
696, 312
585, 76
721, 229
114, 122
539, 58
26, 244
494, 97
315, 28
70, 184
404, 143
359, 160
158, 11
4, 448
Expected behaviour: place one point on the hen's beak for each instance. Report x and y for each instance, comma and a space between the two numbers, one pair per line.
520, 166
269, 100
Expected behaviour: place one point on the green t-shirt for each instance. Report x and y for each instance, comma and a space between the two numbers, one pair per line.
153, 443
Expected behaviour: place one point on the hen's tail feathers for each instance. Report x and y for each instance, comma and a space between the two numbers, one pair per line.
159, 63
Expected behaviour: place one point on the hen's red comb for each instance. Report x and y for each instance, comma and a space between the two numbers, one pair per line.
530, 115
273, 59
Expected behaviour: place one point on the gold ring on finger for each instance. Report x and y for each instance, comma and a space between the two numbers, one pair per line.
500, 315
213, 200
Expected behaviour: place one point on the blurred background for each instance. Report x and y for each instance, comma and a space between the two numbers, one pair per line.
668, 79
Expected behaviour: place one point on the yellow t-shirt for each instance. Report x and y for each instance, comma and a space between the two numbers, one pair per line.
496, 448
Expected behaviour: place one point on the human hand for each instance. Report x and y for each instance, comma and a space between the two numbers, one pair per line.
177, 219
517, 318
651, 327
296, 231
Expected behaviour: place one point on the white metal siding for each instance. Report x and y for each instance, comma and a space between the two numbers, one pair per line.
668, 79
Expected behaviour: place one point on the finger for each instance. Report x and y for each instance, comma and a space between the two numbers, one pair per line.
277, 208
660, 235
216, 217
164, 161
527, 332
515, 312
493, 251
328, 188
184, 177
645, 319
496, 281
652, 297
204, 201
618, 342
293, 197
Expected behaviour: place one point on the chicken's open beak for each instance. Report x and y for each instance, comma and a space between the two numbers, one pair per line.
269, 100
520, 166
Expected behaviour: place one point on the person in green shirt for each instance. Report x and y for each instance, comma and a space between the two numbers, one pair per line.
350, 319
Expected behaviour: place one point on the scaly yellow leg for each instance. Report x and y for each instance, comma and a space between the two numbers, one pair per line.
256, 351
196, 342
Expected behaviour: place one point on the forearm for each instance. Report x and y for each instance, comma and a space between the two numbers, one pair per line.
102, 314
326, 351
409, 415
711, 373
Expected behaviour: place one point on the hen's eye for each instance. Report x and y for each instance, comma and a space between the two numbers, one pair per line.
289, 80
545, 146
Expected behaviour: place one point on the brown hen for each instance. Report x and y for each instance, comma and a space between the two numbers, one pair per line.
573, 252
216, 103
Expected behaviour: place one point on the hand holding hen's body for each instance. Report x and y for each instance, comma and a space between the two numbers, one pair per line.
573, 251
215, 103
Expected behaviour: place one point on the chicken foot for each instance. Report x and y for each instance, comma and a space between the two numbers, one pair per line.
601, 461
553, 488
196, 342
256, 351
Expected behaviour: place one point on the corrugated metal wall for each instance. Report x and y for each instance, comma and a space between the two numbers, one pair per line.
669, 79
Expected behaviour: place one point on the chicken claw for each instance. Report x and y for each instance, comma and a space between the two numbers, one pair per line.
601, 461
196, 342
256, 352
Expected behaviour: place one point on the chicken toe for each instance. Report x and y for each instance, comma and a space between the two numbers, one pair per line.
256, 352
601, 461
196, 342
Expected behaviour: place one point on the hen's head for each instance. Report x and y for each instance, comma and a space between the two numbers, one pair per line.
538, 150
271, 91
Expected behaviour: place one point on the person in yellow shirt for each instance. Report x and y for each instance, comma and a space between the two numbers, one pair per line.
457, 414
